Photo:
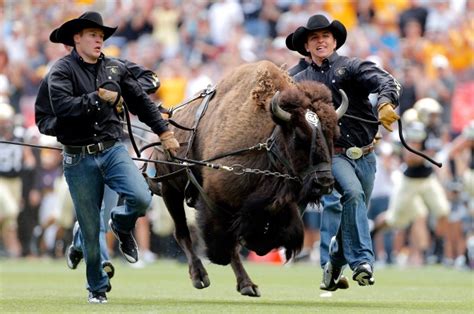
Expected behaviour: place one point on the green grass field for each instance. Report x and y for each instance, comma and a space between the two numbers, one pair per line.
47, 286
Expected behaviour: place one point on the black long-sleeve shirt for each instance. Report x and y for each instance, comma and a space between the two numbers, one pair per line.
358, 78
68, 105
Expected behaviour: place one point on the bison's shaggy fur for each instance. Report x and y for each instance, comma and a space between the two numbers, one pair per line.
260, 212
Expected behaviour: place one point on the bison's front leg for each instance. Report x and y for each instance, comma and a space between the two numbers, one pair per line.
244, 284
198, 274
174, 202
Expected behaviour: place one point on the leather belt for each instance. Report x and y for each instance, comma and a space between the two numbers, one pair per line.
354, 152
89, 149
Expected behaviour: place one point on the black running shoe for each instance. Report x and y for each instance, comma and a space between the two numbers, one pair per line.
363, 274
108, 268
127, 244
333, 278
110, 271
97, 297
73, 257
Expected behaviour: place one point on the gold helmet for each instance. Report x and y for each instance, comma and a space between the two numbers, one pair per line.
426, 107
409, 116
415, 132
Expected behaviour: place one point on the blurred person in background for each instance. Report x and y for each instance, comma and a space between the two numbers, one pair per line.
365, 13
455, 243
165, 18
419, 192
270, 14
86, 121
137, 24
223, 17
13, 160
441, 16
413, 45
461, 154
443, 85
47, 234
383, 186
414, 12
414, 85
17, 43
198, 45
462, 151
253, 24
28, 217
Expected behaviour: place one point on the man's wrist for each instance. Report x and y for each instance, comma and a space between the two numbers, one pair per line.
385, 104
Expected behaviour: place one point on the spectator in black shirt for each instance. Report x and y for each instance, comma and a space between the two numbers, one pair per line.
414, 12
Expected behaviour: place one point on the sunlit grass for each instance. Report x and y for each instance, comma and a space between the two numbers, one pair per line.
48, 286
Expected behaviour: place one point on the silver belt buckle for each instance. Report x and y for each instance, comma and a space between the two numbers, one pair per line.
354, 152
89, 149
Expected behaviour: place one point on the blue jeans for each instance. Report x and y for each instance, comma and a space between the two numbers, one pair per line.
354, 184
86, 176
110, 200
330, 220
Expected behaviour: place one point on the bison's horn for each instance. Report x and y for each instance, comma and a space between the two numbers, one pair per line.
277, 111
344, 104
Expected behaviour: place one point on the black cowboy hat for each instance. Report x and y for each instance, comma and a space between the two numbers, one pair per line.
296, 40
64, 34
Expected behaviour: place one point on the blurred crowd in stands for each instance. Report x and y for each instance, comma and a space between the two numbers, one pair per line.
428, 45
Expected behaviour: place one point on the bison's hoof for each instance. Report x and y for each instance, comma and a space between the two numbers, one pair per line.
201, 283
251, 291
198, 275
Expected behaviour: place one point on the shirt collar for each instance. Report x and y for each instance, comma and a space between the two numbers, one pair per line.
326, 62
79, 58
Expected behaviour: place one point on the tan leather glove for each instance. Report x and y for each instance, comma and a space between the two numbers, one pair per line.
169, 142
109, 97
387, 115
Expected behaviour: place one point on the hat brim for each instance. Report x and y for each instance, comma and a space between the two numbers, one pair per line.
64, 34
289, 42
298, 38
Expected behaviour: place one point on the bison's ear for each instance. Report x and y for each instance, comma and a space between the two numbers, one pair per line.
279, 115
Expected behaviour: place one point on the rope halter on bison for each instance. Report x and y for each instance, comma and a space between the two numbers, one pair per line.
261, 212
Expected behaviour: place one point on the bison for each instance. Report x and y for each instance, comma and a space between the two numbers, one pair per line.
277, 149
